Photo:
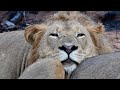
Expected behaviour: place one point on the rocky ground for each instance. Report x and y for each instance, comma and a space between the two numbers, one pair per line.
111, 20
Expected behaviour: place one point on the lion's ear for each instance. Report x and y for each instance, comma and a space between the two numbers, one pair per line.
32, 30
99, 28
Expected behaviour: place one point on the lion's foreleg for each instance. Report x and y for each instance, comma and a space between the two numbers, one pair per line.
44, 69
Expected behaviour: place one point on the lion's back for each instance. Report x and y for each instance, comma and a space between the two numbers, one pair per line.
12, 40
12, 51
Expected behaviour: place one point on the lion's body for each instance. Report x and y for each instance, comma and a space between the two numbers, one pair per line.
67, 37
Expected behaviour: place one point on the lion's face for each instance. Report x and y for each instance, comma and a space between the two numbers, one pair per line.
68, 39
68, 42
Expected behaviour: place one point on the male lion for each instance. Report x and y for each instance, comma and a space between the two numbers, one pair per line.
69, 37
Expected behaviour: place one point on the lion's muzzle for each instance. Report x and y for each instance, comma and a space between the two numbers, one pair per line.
69, 64
68, 48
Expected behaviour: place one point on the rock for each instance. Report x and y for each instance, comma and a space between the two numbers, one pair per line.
100, 67
44, 69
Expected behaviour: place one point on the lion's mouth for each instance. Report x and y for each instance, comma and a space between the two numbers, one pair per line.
68, 61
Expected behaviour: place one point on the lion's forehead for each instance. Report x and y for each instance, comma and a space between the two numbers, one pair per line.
64, 27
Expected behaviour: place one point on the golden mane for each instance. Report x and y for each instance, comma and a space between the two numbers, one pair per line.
33, 35
96, 30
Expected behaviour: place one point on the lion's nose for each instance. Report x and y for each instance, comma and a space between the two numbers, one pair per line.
68, 49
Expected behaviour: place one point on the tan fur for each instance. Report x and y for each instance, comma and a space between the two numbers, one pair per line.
34, 33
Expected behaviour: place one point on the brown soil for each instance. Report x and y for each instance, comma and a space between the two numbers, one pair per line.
114, 40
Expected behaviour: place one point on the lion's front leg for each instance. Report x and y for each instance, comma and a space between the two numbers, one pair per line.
44, 69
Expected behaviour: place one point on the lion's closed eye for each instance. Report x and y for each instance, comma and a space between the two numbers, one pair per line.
53, 34
80, 35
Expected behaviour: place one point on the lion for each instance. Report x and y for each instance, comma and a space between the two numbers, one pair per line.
69, 37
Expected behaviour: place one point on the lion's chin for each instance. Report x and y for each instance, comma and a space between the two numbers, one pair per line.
69, 67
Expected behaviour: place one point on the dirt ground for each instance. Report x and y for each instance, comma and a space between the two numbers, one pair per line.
38, 18
114, 40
